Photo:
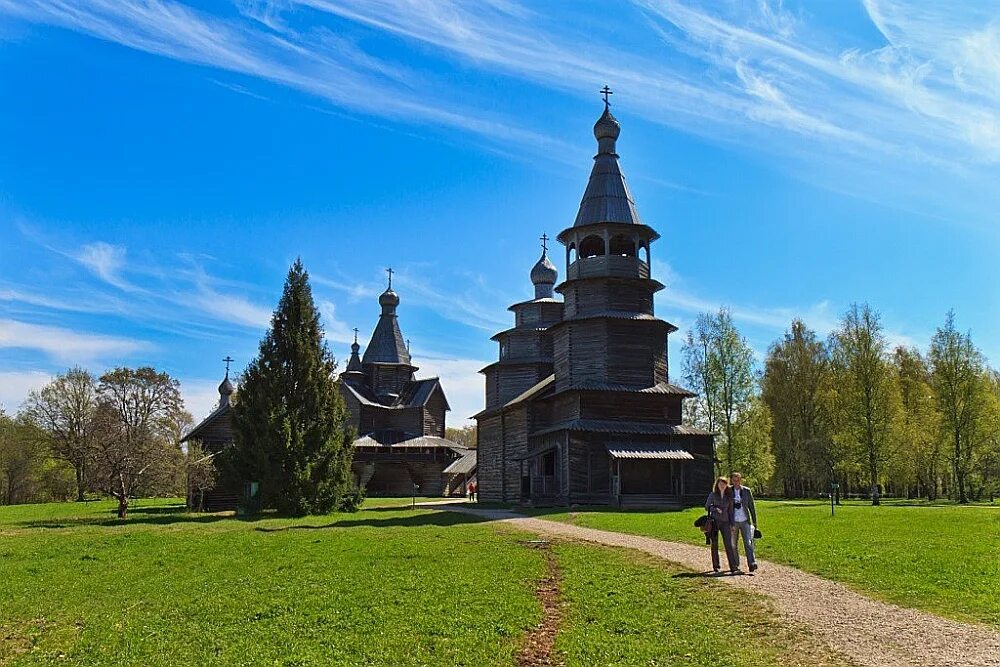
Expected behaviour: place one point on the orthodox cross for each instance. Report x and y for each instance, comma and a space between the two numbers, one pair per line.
605, 91
228, 361
544, 237
390, 272
355, 335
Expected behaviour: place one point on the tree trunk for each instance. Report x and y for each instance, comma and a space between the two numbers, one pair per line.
959, 473
79, 484
123, 507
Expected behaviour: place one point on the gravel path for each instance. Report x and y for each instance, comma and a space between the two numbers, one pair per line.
867, 631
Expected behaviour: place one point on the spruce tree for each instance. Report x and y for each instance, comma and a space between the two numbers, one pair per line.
289, 421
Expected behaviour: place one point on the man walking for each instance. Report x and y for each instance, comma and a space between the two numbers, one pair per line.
744, 520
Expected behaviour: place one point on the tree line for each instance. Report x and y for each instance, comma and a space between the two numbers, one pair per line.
849, 413
119, 435
116, 435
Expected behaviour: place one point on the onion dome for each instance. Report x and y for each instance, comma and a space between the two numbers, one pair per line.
606, 131
607, 197
543, 276
354, 364
386, 345
226, 389
388, 300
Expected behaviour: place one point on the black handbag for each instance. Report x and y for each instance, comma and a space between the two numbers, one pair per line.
757, 534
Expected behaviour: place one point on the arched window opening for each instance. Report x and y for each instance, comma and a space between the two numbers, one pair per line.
571, 253
621, 246
592, 246
645, 253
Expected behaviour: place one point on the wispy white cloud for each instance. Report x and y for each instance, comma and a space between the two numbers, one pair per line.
463, 384
444, 296
200, 396
917, 94
334, 328
106, 261
770, 320
15, 386
91, 302
66, 345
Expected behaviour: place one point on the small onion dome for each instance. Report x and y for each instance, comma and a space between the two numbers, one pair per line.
388, 299
607, 126
543, 275
226, 388
544, 271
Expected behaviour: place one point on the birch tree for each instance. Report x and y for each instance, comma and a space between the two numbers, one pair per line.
866, 403
65, 409
959, 381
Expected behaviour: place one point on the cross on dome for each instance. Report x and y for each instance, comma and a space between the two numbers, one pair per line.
605, 92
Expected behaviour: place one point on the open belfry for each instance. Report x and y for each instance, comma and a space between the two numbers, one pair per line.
579, 406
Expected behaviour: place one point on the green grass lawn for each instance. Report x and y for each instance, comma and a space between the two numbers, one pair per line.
626, 608
403, 502
941, 558
384, 586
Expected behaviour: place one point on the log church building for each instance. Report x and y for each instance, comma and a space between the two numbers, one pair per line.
579, 404
400, 420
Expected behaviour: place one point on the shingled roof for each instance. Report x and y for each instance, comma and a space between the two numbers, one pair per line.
387, 345
607, 197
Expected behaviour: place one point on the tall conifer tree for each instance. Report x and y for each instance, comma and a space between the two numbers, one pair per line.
289, 419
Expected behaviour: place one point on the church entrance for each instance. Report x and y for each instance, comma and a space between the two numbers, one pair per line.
648, 474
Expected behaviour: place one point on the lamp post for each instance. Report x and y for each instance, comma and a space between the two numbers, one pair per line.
833, 489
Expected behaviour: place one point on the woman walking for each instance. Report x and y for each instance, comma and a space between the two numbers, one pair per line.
720, 508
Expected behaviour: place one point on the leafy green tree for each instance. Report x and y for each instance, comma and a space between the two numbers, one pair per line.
65, 409
290, 422
754, 457
463, 436
134, 449
866, 403
795, 378
697, 374
24, 461
988, 454
959, 379
718, 365
919, 459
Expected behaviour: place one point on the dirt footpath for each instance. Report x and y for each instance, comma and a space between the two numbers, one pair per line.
867, 631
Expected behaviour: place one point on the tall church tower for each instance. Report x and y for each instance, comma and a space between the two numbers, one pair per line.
609, 334
386, 362
605, 426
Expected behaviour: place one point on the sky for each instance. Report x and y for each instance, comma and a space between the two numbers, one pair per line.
163, 163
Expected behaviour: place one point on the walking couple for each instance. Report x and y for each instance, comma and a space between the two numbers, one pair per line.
731, 509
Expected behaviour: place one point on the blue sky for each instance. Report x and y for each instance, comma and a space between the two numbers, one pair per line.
163, 163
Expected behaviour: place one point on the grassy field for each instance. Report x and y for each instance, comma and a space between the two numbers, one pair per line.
385, 586
941, 558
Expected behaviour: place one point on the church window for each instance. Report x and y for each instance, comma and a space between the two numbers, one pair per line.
591, 246
621, 245
645, 253
571, 253
549, 464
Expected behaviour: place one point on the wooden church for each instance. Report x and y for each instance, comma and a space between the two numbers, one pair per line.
579, 405
400, 421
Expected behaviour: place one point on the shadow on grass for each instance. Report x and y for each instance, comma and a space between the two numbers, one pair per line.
155, 520
159, 515
406, 521
703, 575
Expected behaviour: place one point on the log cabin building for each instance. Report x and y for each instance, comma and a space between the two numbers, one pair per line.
400, 421
579, 405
